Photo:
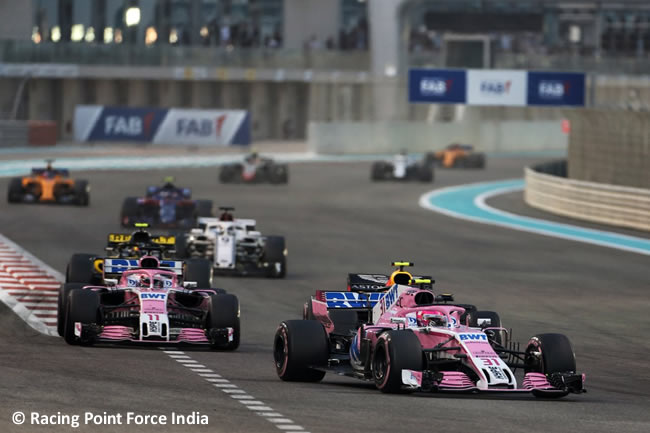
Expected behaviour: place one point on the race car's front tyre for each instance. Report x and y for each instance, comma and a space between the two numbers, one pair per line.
82, 193
298, 346
478, 160
82, 307
548, 354
275, 254
80, 269
491, 319
224, 313
15, 191
200, 271
394, 352
62, 304
230, 173
130, 212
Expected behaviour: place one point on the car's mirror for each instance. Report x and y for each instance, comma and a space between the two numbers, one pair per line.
398, 320
110, 282
190, 284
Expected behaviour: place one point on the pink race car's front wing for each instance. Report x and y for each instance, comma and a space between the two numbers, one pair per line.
124, 334
456, 381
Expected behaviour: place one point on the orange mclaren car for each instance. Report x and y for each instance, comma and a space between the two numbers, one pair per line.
49, 185
458, 156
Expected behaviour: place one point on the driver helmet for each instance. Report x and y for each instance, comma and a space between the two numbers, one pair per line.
399, 277
145, 281
226, 216
433, 318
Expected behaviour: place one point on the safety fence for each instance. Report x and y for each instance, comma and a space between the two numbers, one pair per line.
597, 202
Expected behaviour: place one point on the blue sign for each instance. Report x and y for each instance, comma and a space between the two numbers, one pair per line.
128, 124
556, 88
435, 86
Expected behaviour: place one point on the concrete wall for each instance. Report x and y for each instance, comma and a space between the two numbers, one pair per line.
611, 147
391, 137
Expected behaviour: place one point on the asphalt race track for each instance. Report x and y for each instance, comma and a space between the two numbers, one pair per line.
336, 222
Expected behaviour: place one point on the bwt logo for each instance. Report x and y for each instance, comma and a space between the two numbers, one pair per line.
200, 127
496, 87
131, 126
153, 296
552, 89
473, 337
435, 86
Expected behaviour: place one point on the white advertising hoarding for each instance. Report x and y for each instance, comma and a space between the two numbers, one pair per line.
497, 87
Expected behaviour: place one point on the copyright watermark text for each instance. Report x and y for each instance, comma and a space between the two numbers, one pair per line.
105, 418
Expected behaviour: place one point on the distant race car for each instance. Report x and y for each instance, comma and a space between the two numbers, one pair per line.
234, 246
457, 156
49, 185
148, 304
89, 268
413, 340
402, 167
254, 169
166, 206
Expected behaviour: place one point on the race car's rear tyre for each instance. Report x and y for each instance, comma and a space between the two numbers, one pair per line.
549, 353
298, 346
15, 191
82, 306
204, 208
378, 171
81, 269
394, 352
62, 304
279, 173
275, 254
130, 212
200, 271
478, 160
230, 173
491, 319
181, 245
82, 193
224, 313
425, 173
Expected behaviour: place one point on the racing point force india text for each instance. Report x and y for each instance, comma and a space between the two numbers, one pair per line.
130, 418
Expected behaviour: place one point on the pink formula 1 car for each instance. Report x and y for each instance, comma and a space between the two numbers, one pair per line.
411, 339
148, 304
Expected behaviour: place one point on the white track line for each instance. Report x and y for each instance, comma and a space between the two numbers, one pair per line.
28, 287
248, 401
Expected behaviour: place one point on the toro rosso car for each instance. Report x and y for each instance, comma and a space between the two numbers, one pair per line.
402, 167
125, 249
49, 185
254, 169
148, 304
235, 247
167, 206
457, 156
413, 340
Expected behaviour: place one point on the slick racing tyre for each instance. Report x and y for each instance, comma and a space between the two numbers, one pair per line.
204, 208
278, 173
82, 193
378, 171
81, 269
298, 346
83, 307
15, 191
224, 313
62, 304
549, 353
230, 173
199, 271
275, 254
425, 173
395, 351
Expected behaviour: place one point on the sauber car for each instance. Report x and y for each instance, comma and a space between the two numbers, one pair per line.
254, 169
402, 167
149, 304
457, 156
49, 185
166, 206
414, 340
235, 247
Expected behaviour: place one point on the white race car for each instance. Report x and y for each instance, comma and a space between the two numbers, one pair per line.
234, 246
